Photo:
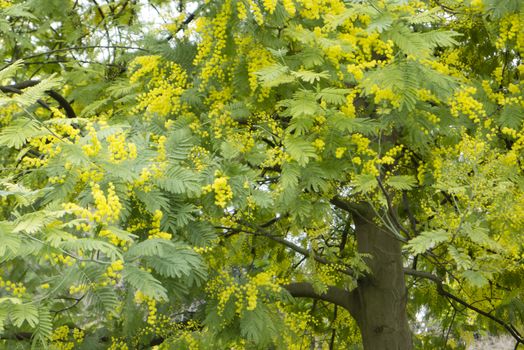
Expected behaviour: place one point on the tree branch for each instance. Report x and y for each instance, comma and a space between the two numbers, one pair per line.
391, 208
305, 252
13, 89
17, 88
77, 301
334, 295
440, 289
188, 20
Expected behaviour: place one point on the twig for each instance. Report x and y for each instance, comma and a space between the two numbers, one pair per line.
77, 301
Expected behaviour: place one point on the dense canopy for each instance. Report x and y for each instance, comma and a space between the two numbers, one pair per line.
261, 174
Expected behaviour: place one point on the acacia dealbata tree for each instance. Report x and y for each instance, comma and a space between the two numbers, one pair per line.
276, 174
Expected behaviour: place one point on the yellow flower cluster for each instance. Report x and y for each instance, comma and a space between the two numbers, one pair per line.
339, 152
274, 156
426, 95
140, 298
370, 168
319, 144
514, 156
152, 311
113, 271
113, 238
118, 344
94, 146
241, 11
464, 103
176, 23
385, 95
213, 42
161, 148
257, 58
57, 179
75, 289
78, 335
62, 128
262, 279
270, 5
257, 13
511, 27
155, 231
223, 192
296, 322
60, 259
389, 157
223, 287
60, 333
119, 150
202, 250
166, 85
313, 9
16, 289
197, 156
161, 100
244, 140
477, 4
223, 123
5, 4
145, 176
7, 112
60, 338
362, 144
147, 64
107, 208
88, 175
289, 6
329, 274
443, 68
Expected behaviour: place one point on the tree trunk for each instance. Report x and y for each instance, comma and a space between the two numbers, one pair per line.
381, 297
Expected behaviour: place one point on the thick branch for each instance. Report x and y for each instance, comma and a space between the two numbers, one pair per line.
334, 295
13, 89
17, 88
440, 289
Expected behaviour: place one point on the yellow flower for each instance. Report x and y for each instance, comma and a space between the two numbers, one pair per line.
223, 192
339, 152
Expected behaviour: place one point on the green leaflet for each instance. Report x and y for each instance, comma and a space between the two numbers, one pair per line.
427, 240
31, 94
17, 133
300, 150
364, 183
23, 312
402, 182
333, 95
10, 241
145, 282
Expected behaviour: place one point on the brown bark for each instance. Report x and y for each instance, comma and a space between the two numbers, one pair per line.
381, 303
